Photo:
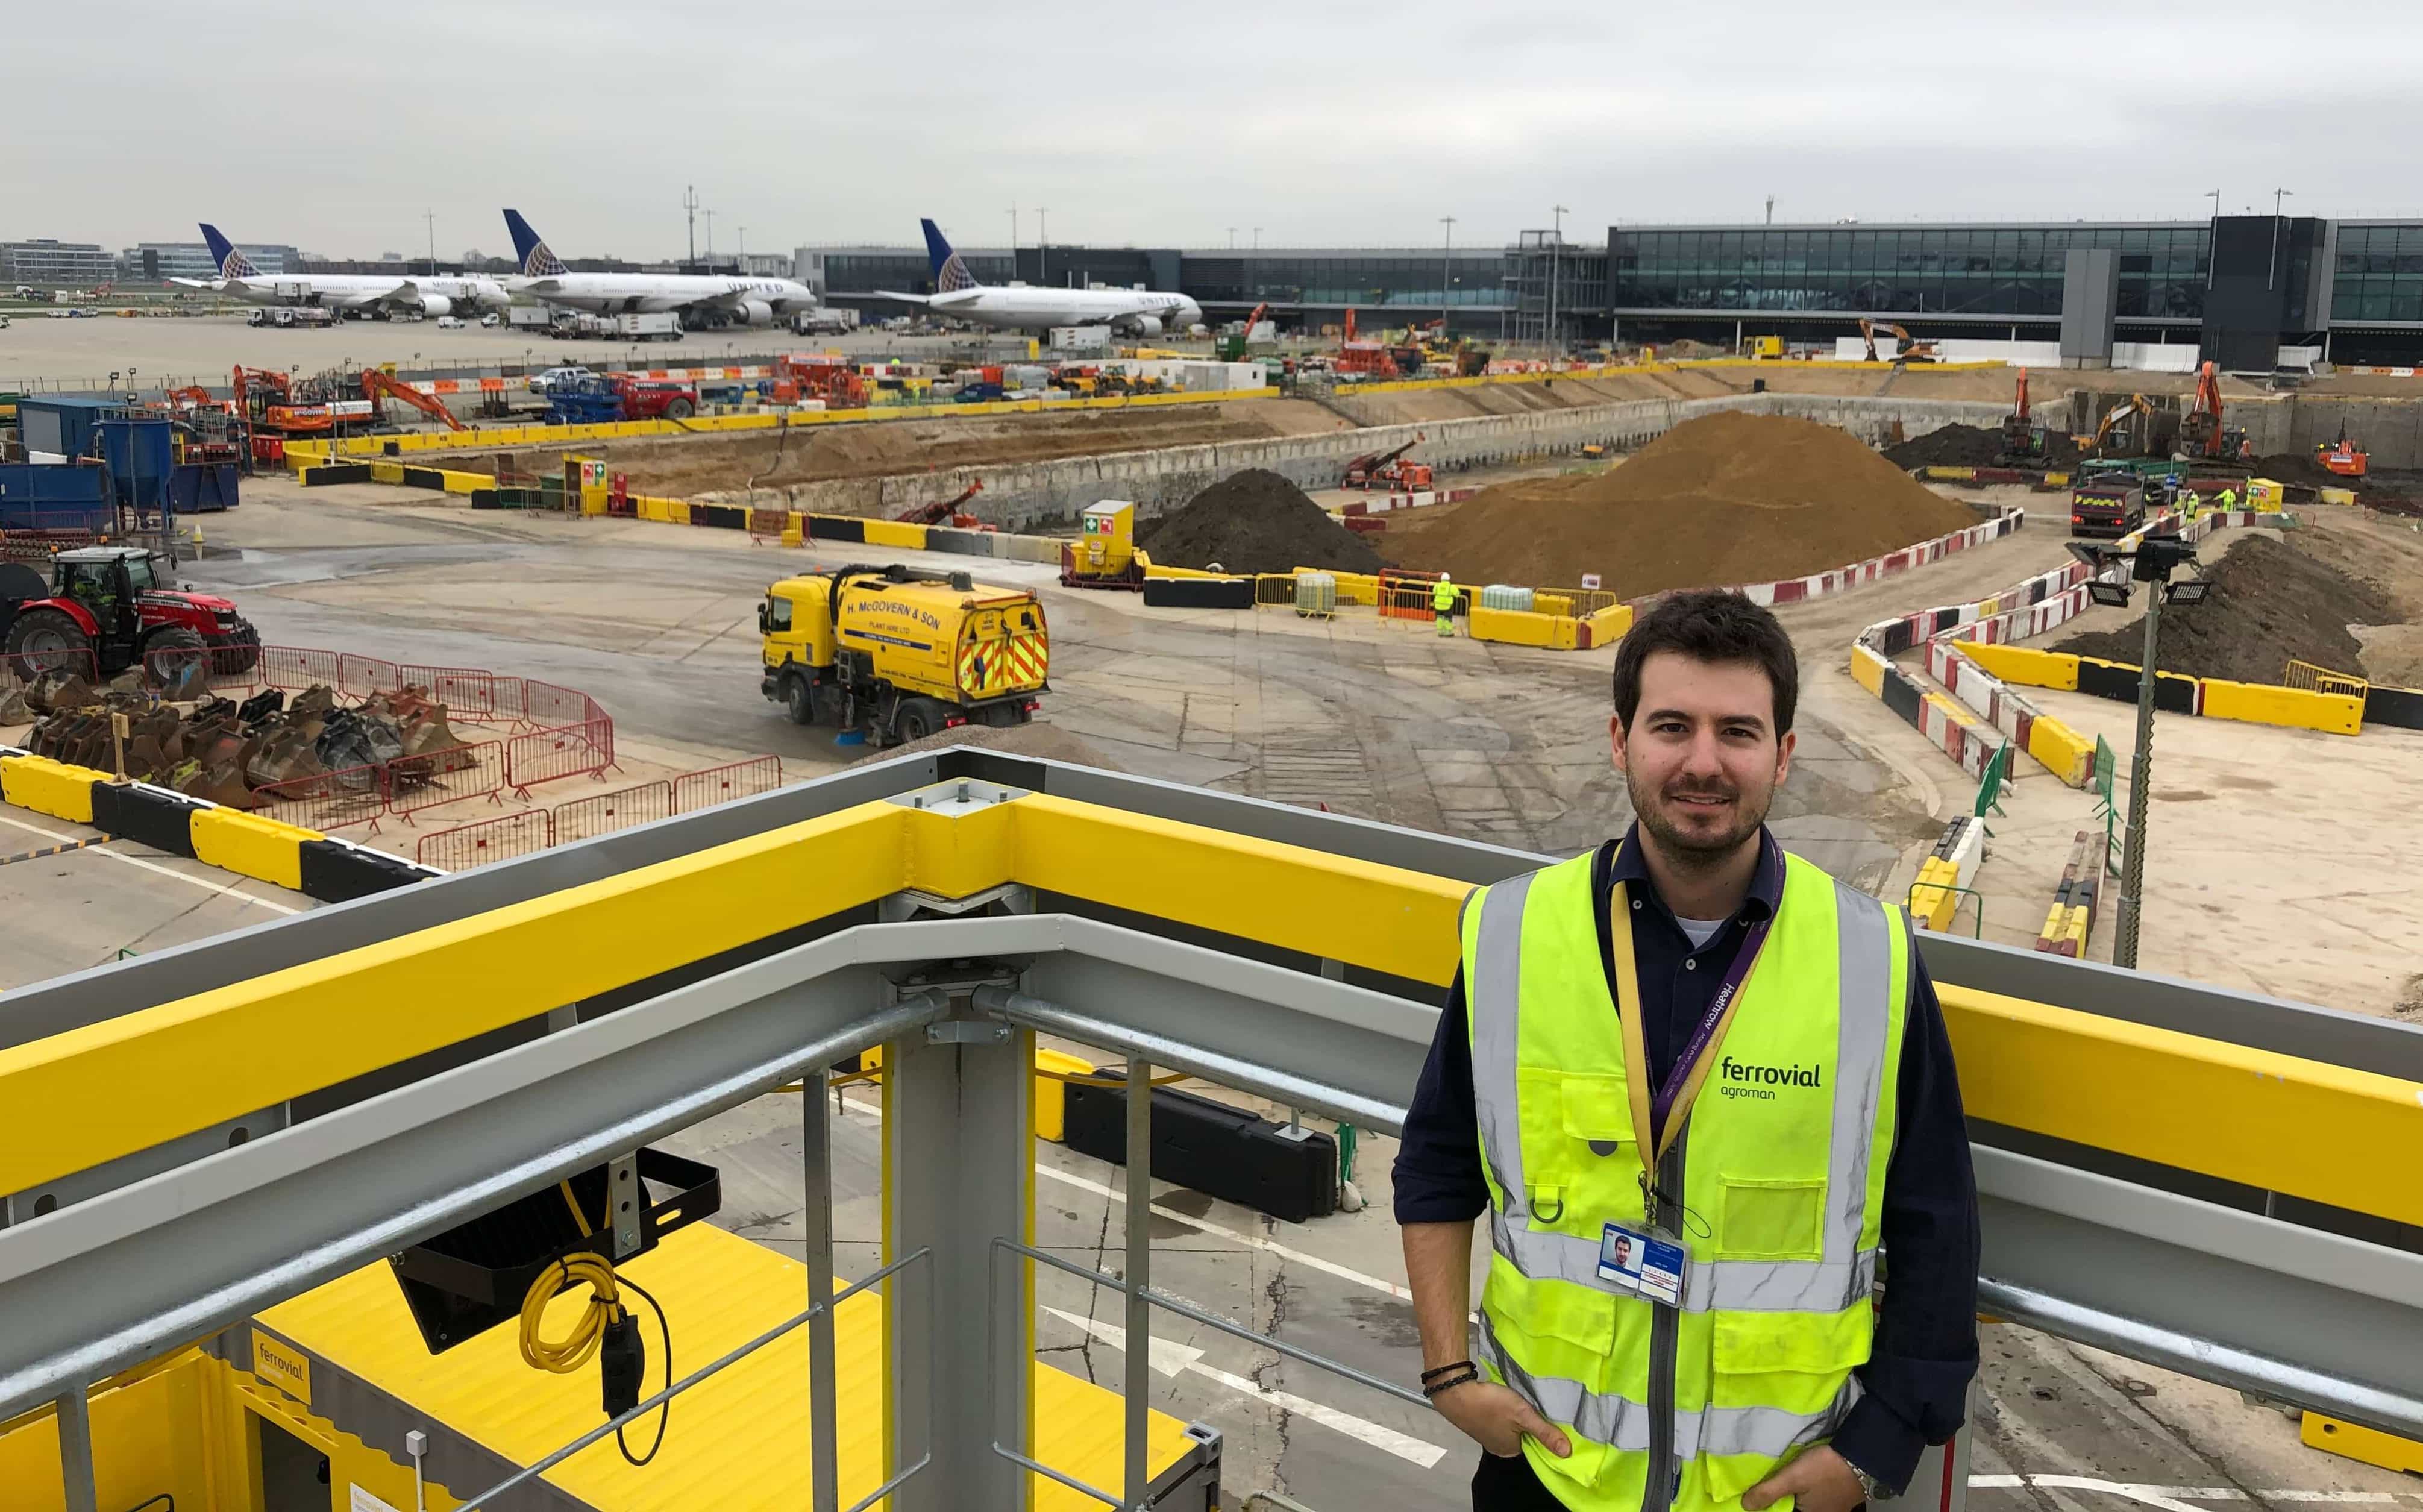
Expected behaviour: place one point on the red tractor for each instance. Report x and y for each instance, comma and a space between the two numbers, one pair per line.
118, 605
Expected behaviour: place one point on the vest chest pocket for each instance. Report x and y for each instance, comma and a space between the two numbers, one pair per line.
1782, 1219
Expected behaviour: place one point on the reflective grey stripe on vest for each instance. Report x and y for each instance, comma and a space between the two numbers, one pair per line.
1493, 1001
1864, 934
1624, 1425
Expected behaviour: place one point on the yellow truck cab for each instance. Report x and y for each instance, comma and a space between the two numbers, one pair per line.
900, 653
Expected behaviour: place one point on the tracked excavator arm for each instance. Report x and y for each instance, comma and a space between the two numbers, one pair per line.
378, 386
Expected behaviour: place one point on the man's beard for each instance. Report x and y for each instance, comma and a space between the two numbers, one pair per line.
1685, 847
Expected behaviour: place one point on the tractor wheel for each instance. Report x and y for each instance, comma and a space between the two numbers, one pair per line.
679, 409
236, 652
800, 700
44, 640
177, 659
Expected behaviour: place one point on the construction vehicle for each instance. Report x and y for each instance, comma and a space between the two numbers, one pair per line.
1764, 348
2109, 503
2023, 440
379, 386
596, 401
2202, 434
831, 380
2343, 456
897, 654
2111, 427
946, 512
106, 608
1232, 348
1910, 350
1387, 470
275, 403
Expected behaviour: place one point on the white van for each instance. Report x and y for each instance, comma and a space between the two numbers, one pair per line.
449, 322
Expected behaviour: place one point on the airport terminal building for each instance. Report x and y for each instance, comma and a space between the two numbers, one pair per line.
2240, 287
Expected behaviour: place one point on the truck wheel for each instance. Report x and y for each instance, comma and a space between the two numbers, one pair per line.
680, 409
44, 639
800, 700
917, 720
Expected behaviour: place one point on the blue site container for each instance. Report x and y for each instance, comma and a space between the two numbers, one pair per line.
141, 453
62, 425
198, 488
42, 497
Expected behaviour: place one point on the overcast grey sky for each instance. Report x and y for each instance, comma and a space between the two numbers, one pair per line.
336, 126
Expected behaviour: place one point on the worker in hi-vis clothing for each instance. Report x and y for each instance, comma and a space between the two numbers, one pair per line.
2227, 502
1699, 1087
1443, 603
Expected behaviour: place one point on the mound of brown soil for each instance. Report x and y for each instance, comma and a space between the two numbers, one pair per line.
2269, 603
1969, 446
1724, 499
1257, 521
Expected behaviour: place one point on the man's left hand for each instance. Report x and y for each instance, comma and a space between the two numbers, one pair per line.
1818, 1481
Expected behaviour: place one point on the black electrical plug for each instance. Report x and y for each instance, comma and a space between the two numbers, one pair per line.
622, 1357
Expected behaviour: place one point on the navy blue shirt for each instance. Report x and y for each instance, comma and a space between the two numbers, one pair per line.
1926, 1350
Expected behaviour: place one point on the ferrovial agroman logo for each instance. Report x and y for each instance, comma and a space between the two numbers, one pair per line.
1748, 1078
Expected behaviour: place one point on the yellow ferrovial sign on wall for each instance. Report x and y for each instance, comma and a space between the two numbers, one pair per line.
281, 1366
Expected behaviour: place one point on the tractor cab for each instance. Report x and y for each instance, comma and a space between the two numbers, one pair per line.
106, 608
106, 580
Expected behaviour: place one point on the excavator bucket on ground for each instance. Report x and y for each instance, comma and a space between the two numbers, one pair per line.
55, 691
221, 783
283, 755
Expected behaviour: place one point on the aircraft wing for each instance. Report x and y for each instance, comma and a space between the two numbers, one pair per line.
541, 287
905, 298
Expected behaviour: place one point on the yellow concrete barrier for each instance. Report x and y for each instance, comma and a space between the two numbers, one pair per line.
386, 472
1606, 626
2064, 751
895, 532
1552, 603
1932, 902
2018, 664
1868, 670
1154, 569
1515, 626
653, 508
676, 511
49, 787
2356, 1441
2261, 704
250, 844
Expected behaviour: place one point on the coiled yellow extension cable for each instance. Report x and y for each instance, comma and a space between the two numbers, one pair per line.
566, 1355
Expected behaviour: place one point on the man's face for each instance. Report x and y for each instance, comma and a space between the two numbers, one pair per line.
1701, 759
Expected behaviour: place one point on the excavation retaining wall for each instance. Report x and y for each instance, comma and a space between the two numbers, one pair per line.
1019, 495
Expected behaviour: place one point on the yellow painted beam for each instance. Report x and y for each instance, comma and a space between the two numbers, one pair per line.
1383, 917
127, 1083
2269, 1121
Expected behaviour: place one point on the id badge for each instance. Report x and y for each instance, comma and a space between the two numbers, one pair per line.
1642, 1262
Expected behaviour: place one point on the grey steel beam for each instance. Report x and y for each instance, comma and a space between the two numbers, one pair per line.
2215, 1292
94, 1288
959, 1133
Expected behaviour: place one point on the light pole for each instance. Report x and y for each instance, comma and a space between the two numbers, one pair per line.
711, 236
1446, 269
743, 253
689, 205
2156, 558
1556, 265
1042, 240
429, 218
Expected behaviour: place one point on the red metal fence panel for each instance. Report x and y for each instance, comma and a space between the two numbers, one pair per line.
359, 677
585, 819
549, 706
491, 839
445, 776
295, 667
566, 751
327, 800
694, 790
468, 693
21, 672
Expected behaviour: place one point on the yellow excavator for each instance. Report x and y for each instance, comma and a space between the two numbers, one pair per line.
2136, 404
1911, 350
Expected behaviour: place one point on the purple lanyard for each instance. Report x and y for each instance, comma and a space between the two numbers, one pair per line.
1699, 1043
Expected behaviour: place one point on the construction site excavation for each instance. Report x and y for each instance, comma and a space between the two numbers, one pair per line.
616, 752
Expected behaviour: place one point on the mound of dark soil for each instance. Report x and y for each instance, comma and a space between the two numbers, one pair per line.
1257, 521
2271, 603
1970, 446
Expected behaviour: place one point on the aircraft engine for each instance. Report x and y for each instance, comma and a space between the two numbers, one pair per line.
755, 312
433, 304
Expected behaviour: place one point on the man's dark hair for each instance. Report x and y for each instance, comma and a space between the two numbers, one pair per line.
1707, 625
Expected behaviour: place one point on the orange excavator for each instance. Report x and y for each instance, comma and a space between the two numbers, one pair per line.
2342, 456
2023, 440
2201, 432
1911, 350
1388, 470
378, 385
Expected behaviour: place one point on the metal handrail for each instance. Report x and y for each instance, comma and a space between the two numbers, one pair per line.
521, 1476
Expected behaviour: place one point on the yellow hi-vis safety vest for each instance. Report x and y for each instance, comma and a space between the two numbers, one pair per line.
1443, 597
1779, 1174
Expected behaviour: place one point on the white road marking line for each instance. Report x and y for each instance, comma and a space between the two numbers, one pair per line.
1169, 1356
1403, 1445
204, 884
2174, 1498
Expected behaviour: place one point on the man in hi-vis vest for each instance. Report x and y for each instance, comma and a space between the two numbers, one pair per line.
1701, 1089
